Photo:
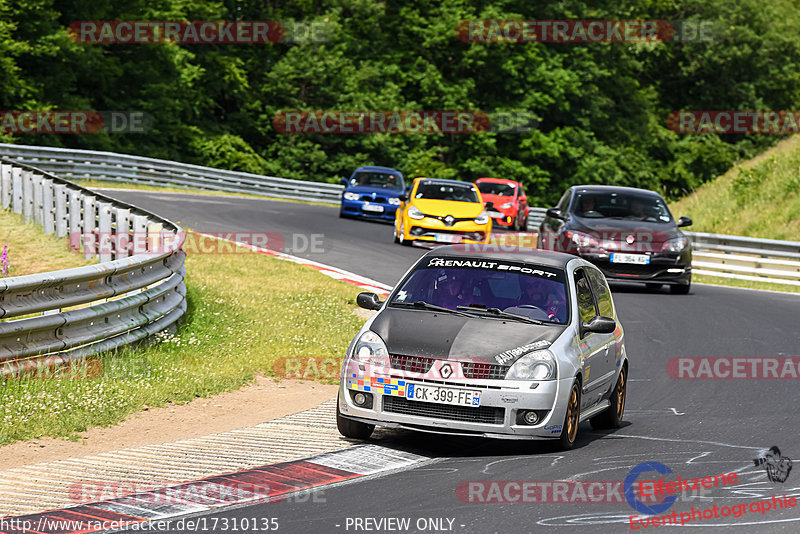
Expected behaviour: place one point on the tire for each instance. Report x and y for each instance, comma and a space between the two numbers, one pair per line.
342, 215
653, 286
569, 431
680, 289
612, 418
396, 239
402, 240
523, 224
352, 429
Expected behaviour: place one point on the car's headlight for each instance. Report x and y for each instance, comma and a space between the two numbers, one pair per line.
414, 213
371, 349
539, 365
507, 205
675, 245
581, 240
394, 201
483, 218
351, 196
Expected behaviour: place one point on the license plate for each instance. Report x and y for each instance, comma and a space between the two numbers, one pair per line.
372, 207
447, 238
458, 397
640, 259
495, 214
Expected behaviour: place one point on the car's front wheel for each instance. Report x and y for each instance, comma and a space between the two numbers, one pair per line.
612, 418
352, 429
402, 238
569, 430
681, 289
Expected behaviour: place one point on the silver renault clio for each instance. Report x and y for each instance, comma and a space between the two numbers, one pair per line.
476, 341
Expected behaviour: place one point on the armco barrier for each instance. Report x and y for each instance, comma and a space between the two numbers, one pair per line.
136, 290
111, 167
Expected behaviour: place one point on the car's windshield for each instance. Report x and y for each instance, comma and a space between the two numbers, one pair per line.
528, 290
377, 179
630, 206
441, 191
494, 188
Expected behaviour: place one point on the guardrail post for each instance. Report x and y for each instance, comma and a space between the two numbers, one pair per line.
48, 216
89, 227
74, 226
5, 185
60, 201
140, 223
38, 200
155, 243
16, 190
122, 238
27, 196
104, 235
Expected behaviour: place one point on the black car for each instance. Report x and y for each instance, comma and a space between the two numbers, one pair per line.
628, 233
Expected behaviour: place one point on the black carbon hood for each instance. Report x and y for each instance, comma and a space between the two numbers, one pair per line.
453, 337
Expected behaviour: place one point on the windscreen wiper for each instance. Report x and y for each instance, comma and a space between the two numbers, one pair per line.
421, 304
497, 312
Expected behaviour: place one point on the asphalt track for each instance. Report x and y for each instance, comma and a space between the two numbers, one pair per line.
695, 427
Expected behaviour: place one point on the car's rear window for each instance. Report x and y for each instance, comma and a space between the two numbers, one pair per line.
440, 191
524, 289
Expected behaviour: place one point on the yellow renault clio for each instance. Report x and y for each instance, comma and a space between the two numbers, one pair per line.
441, 211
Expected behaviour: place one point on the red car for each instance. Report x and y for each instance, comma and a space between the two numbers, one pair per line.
505, 201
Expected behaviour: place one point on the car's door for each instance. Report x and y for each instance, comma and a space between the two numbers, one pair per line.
598, 371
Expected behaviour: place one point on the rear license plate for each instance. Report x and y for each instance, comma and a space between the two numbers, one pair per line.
639, 259
457, 397
372, 207
447, 238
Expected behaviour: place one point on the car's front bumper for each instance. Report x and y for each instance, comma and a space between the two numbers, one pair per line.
368, 209
663, 268
496, 417
435, 231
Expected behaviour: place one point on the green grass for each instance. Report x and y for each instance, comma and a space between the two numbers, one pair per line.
186, 190
30, 251
246, 313
732, 282
759, 198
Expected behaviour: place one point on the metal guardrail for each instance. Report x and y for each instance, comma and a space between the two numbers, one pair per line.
112, 167
136, 290
746, 258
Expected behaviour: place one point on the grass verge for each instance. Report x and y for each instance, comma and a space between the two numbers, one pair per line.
30, 251
733, 282
247, 312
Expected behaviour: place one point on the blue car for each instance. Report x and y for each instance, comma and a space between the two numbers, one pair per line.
371, 192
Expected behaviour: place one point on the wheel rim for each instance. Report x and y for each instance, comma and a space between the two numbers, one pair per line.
621, 394
572, 414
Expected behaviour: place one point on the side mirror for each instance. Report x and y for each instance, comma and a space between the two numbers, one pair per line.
345, 182
402, 197
555, 213
369, 301
489, 205
684, 221
600, 325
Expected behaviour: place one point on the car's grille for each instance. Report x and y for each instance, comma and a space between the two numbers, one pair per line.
421, 365
480, 414
412, 364
484, 370
377, 200
630, 270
